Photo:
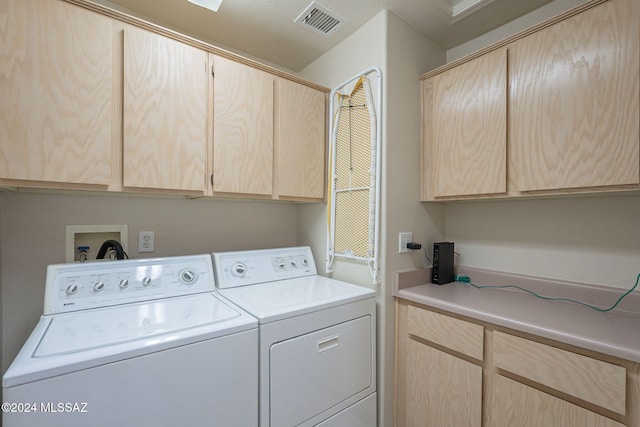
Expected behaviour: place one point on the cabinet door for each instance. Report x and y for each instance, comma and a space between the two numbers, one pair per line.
515, 404
56, 86
464, 129
574, 101
301, 143
441, 389
165, 119
242, 129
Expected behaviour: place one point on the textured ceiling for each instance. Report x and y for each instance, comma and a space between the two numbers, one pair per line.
265, 29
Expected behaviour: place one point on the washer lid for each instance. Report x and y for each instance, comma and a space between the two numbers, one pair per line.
292, 297
83, 330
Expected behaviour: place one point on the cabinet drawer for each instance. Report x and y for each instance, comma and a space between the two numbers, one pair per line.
598, 382
455, 334
515, 404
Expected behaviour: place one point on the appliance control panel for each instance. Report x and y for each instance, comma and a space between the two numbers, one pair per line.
244, 268
79, 286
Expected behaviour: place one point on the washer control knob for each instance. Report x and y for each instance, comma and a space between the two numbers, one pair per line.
146, 281
188, 276
72, 288
98, 286
305, 262
293, 264
124, 284
281, 265
239, 269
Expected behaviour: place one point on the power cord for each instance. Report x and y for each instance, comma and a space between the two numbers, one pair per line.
417, 246
466, 279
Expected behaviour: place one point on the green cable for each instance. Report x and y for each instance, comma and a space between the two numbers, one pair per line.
467, 280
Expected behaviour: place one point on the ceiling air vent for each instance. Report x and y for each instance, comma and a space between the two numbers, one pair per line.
320, 20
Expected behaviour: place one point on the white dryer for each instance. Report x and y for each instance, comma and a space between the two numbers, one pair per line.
135, 343
317, 338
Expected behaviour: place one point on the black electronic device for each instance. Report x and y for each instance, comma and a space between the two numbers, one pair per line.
442, 272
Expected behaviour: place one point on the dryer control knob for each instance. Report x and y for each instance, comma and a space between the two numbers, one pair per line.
98, 286
124, 284
239, 269
72, 288
188, 276
146, 281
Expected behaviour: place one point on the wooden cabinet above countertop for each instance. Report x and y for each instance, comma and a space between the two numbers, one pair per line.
571, 119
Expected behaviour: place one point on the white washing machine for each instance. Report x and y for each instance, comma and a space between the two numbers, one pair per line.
317, 338
135, 343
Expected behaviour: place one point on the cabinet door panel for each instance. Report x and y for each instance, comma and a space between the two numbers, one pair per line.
56, 86
242, 129
515, 404
574, 99
165, 101
465, 128
301, 142
441, 389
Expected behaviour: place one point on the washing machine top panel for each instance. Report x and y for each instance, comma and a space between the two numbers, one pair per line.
279, 300
70, 342
79, 331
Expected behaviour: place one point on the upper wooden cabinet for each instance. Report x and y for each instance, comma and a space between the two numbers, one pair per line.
94, 99
561, 117
574, 101
465, 129
301, 141
165, 113
242, 129
268, 134
56, 103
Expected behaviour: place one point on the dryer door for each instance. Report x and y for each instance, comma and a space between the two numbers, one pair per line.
314, 372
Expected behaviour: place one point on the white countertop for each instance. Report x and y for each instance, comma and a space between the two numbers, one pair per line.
615, 333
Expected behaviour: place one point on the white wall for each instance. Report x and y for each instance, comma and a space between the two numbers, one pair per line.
363, 49
402, 54
588, 239
592, 240
34, 237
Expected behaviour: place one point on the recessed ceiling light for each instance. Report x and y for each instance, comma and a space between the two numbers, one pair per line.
208, 4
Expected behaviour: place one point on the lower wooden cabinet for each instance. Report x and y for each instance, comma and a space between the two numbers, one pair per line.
452, 371
516, 404
442, 389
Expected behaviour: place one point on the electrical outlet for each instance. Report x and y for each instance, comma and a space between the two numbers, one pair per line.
146, 241
403, 239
